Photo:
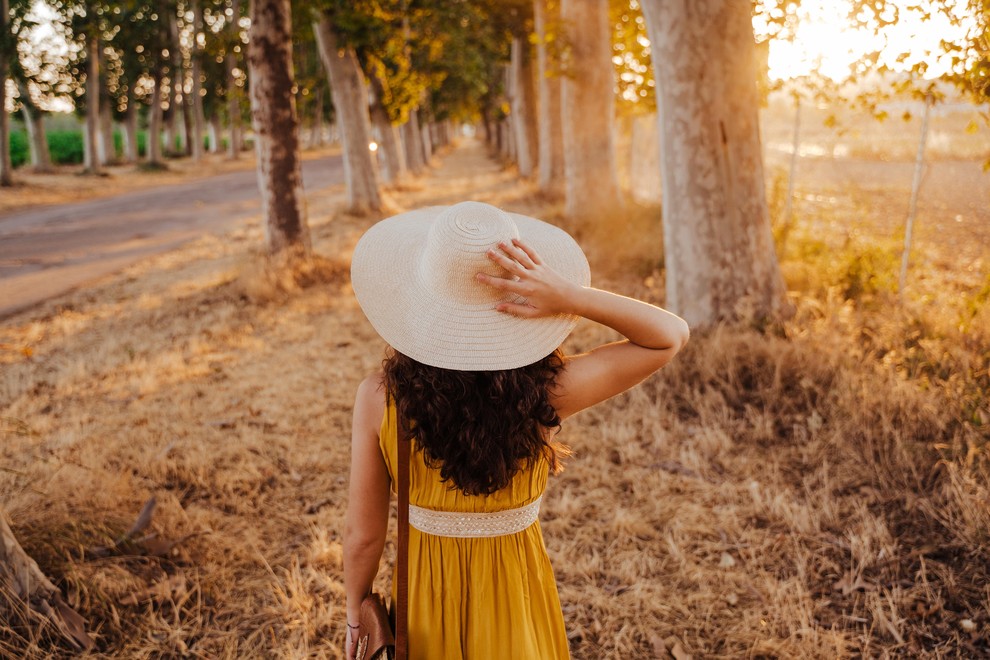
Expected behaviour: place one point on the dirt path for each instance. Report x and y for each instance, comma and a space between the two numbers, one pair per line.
48, 250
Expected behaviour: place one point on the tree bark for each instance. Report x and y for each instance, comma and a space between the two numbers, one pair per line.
524, 107
168, 119
413, 142
719, 251
92, 104
316, 130
21, 575
154, 146
350, 99
550, 136
176, 76
427, 140
6, 164
34, 121
273, 115
213, 132
233, 91
591, 185
390, 144
105, 146
131, 149
196, 57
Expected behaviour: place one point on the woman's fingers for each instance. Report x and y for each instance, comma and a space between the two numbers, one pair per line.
516, 252
515, 309
530, 252
505, 262
500, 282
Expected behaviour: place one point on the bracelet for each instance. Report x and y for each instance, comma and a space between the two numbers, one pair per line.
354, 627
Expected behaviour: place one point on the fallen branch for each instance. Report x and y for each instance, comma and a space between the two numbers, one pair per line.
29, 584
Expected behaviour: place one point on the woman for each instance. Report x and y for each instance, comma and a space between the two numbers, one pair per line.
474, 303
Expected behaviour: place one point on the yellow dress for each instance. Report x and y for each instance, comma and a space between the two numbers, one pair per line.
477, 598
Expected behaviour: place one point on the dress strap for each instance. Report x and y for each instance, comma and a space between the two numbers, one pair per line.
464, 525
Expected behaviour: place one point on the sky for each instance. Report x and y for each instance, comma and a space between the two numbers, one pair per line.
825, 40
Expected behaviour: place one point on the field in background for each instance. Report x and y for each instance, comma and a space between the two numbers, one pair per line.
816, 489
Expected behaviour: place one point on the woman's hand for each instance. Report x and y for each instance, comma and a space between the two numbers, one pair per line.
351, 642
546, 292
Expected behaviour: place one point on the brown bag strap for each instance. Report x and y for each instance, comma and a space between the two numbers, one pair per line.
402, 560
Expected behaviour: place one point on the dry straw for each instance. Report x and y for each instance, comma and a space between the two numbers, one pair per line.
818, 491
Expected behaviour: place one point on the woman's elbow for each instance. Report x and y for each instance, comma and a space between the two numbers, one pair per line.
685, 334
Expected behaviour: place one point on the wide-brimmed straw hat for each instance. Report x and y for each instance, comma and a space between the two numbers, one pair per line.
414, 275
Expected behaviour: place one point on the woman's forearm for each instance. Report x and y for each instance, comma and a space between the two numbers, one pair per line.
361, 559
641, 323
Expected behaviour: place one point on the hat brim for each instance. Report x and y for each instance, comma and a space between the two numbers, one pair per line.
445, 333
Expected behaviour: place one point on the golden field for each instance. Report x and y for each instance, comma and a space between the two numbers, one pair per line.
819, 488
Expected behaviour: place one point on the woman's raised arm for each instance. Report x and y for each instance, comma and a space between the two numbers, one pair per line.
653, 335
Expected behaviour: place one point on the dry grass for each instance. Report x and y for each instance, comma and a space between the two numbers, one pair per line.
817, 490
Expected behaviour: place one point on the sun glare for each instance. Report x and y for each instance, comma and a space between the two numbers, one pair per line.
823, 39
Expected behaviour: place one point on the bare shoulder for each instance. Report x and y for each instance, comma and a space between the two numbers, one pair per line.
369, 403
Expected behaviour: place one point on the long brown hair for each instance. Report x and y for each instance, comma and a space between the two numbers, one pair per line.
479, 428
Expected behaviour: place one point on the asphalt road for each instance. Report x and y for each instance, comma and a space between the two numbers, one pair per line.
49, 250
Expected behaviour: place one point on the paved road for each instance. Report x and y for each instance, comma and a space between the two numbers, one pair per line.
49, 250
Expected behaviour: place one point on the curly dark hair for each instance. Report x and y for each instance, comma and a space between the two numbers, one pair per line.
479, 428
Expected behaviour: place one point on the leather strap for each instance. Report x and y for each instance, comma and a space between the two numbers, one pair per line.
402, 560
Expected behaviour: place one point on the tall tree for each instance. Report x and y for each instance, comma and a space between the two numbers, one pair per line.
196, 73
350, 100
92, 156
34, 122
232, 37
719, 252
546, 19
8, 50
273, 116
591, 187
523, 99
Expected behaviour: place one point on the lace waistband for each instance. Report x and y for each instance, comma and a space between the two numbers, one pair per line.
463, 525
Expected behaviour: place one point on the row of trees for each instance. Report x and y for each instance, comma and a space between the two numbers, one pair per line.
539, 76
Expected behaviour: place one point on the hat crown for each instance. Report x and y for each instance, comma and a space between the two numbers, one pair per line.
456, 249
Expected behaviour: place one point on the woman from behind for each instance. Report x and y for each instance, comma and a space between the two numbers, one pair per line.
474, 303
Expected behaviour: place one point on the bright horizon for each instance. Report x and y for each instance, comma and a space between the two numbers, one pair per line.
824, 39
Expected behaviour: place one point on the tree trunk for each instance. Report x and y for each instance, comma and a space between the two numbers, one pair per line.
179, 73
523, 107
6, 164
168, 117
273, 116
316, 130
591, 185
153, 147
196, 57
233, 91
131, 135
390, 145
34, 121
106, 148
719, 252
350, 98
93, 104
644, 160
550, 135
427, 140
23, 579
413, 142
215, 131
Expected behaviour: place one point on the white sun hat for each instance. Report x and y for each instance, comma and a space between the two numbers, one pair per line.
414, 275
